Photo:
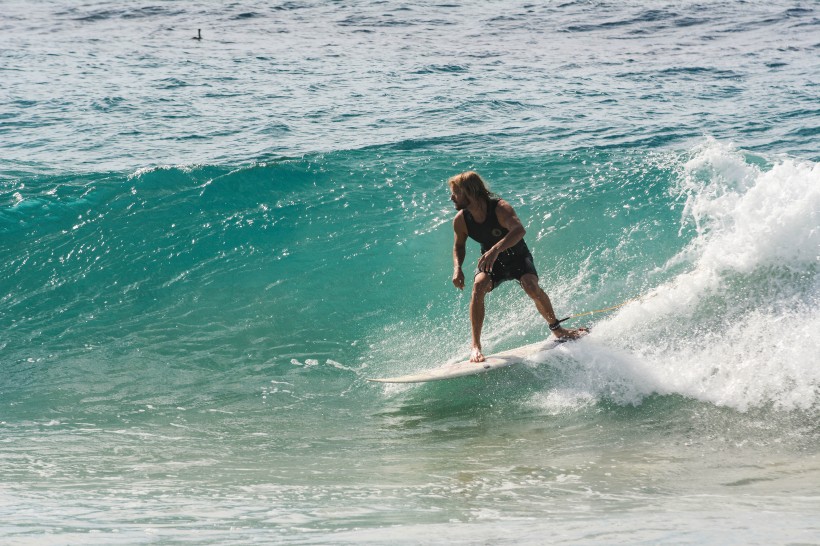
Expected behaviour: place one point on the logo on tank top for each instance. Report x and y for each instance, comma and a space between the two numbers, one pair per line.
496, 232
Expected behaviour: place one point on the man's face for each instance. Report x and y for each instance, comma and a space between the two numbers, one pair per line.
458, 198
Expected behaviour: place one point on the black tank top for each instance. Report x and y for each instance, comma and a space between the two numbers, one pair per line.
490, 231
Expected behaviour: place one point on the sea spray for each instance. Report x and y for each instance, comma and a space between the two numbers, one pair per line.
736, 328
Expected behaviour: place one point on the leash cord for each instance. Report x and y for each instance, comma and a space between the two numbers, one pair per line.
599, 310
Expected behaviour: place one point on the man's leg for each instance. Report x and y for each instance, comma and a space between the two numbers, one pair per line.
529, 283
482, 284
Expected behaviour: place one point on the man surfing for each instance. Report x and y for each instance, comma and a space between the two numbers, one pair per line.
488, 219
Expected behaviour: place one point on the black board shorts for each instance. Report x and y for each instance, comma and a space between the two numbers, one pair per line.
511, 267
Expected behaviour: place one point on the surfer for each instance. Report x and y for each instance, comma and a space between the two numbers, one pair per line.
491, 221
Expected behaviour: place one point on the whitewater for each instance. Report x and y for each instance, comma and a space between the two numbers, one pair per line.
208, 245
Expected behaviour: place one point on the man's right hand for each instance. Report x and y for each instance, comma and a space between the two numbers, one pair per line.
458, 278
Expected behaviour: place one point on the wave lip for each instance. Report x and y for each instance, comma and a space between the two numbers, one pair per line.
737, 327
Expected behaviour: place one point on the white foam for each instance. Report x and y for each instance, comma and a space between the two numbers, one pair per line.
747, 217
738, 327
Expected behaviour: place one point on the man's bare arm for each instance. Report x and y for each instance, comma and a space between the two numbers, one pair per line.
459, 250
509, 220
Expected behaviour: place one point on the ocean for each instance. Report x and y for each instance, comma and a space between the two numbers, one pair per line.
207, 246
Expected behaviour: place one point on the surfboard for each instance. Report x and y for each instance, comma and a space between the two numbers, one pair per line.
465, 368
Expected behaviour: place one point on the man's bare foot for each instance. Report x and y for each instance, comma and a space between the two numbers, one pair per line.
476, 356
570, 333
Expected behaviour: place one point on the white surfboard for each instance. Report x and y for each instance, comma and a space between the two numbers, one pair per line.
461, 369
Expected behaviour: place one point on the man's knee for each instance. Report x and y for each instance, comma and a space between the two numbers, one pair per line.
530, 285
482, 285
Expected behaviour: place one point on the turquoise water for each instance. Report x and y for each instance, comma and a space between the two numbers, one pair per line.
206, 247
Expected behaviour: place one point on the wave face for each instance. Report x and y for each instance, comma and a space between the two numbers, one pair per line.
207, 247
215, 266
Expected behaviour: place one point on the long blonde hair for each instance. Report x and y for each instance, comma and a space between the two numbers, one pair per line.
472, 185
